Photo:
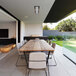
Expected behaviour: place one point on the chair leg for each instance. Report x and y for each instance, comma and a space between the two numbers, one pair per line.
45, 72
48, 71
54, 61
17, 65
28, 73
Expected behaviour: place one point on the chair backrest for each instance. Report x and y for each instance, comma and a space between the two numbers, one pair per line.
49, 42
37, 60
38, 56
53, 45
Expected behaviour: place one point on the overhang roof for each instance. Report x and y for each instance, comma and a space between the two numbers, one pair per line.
5, 17
24, 9
60, 9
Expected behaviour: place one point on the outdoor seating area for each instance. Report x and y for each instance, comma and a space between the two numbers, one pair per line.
61, 69
35, 56
37, 38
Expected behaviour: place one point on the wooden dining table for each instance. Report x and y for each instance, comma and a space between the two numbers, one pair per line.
36, 45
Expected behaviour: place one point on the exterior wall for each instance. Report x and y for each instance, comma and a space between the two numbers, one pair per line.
56, 32
23, 33
50, 32
23, 30
28, 30
11, 26
34, 29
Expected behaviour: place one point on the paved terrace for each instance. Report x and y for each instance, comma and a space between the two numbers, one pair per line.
64, 66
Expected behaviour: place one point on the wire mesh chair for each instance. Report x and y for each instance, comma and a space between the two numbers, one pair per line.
20, 57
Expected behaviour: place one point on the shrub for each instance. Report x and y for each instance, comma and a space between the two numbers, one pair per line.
51, 37
55, 37
59, 37
70, 37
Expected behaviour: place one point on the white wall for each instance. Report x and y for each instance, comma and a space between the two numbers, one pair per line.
22, 33
23, 30
34, 29
28, 30
11, 26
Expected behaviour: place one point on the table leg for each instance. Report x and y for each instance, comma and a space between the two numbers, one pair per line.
26, 58
48, 57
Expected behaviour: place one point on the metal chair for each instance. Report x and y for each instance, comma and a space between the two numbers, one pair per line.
20, 56
52, 55
47, 40
37, 61
50, 42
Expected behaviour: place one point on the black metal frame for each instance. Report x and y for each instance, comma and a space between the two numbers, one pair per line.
19, 22
54, 61
28, 69
52, 56
37, 69
26, 60
19, 65
69, 59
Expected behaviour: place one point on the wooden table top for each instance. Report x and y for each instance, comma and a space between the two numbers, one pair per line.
36, 45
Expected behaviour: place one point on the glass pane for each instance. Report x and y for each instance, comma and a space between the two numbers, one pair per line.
69, 47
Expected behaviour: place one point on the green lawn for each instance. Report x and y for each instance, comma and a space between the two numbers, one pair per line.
58, 42
70, 44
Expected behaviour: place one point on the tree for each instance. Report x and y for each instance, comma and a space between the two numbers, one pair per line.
45, 27
67, 25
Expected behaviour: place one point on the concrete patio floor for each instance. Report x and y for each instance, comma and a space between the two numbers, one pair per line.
64, 66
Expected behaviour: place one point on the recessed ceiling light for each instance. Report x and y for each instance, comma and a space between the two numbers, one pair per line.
36, 9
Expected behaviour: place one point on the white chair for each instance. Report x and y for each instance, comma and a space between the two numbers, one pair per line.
37, 61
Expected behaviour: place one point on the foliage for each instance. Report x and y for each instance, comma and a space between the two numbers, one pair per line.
70, 37
52, 29
67, 25
55, 37
45, 27
59, 37
71, 13
51, 37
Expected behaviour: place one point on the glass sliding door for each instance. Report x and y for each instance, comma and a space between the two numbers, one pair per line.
69, 47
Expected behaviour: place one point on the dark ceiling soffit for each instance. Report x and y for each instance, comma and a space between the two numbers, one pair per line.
60, 9
8, 13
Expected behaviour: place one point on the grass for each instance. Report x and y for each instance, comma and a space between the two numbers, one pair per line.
60, 43
69, 44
